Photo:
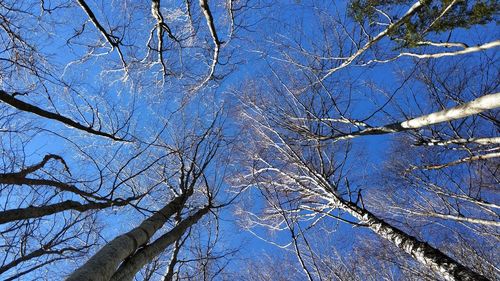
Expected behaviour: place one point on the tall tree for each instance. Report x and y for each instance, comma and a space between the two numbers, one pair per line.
338, 81
304, 177
123, 124
102, 115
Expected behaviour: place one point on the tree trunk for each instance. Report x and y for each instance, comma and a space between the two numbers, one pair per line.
424, 253
131, 266
103, 264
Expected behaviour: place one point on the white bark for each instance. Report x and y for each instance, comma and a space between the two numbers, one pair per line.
455, 218
443, 44
424, 253
466, 50
460, 161
308, 181
215, 38
413, 9
480, 141
481, 104
476, 106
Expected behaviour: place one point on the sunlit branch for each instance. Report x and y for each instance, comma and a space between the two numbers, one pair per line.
297, 251
452, 217
457, 162
465, 51
450, 5
413, 9
161, 27
444, 44
481, 104
477, 141
215, 38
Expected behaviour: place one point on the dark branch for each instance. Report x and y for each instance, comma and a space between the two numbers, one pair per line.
23, 106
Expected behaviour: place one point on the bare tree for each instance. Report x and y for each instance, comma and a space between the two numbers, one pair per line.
194, 194
450, 175
323, 97
310, 179
115, 150
91, 129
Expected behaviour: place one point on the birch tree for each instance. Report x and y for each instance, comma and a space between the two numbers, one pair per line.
122, 124
305, 178
336, 83
450, 181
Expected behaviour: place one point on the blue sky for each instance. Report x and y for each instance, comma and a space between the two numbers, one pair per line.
154, 101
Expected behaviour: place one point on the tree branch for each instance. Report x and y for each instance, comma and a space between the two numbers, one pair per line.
23, 106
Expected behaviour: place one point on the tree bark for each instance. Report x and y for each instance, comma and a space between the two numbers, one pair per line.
474, 107
131, 266
477, 141
103, 264
37, 212
432, 258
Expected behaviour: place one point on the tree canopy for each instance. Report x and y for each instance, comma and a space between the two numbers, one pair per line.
249, 140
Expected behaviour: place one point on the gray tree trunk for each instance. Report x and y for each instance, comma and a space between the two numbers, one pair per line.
132, 265
104, 263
